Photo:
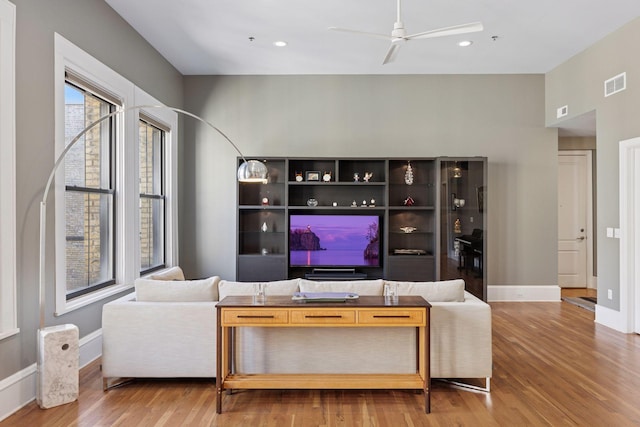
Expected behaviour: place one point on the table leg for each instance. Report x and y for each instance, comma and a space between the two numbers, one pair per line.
218, 363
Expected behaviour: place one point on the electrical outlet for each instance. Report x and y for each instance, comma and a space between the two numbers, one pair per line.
610, 293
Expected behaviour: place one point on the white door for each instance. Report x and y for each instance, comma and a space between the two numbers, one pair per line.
572, 220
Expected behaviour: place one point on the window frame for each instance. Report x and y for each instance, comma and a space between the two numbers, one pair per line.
8, 281
107, 166
69, 57
156, 196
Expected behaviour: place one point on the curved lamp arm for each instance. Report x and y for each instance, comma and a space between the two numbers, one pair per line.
249, 171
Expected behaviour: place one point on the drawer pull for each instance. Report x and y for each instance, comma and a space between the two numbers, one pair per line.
241, 316
390, 316
309, 316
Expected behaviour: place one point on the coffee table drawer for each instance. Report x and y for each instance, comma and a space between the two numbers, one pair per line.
407, 317
254, 317
323, 317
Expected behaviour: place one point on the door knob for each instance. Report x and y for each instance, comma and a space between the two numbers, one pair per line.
580, 238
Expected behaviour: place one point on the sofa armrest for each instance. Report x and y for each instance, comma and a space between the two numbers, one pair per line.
158, 339
461, 339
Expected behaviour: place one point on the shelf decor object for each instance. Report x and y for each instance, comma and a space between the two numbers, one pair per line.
408, 175
250, 171
313, 176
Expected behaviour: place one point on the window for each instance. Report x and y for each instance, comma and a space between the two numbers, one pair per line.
8, 311
89, 191
115, 193
152, 201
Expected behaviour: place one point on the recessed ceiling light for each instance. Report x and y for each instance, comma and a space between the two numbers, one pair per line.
280, 43
465, 43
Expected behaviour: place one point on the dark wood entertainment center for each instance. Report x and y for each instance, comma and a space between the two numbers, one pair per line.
419, 222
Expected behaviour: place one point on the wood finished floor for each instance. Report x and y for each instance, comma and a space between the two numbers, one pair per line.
553, 366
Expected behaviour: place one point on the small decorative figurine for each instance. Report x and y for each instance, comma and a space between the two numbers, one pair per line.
326, 177
408, 175
408, 201
265, 201
299, 176
364, 203
457, 227
356, 177
264, 227
334, 204
367, 176
372, 203
354, 204
312, 203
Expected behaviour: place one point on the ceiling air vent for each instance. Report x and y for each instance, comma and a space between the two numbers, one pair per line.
615, 84
562, 111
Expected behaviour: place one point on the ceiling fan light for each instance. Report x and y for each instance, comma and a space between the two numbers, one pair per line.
253, 171
465, 43
280, 43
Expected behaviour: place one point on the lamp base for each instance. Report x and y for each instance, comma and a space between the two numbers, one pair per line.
58, 360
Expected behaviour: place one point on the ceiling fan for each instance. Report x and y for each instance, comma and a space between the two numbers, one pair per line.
399, 35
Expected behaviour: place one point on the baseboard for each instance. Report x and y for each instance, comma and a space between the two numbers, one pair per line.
19, 389
497, 293
612, 319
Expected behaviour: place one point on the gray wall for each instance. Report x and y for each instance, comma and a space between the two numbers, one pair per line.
501, 117
95, 27
579, 83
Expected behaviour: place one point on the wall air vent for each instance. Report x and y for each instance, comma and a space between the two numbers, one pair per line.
562, 111
615, 84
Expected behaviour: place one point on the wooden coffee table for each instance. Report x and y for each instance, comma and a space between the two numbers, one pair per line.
282, 311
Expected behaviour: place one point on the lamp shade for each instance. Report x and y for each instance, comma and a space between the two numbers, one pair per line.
252, 171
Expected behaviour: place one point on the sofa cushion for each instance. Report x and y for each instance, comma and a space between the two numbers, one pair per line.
173, 273
177, 290
360, 287
443, 291
276, 287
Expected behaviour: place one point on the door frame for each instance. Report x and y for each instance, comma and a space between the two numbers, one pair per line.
592, 281
630, 235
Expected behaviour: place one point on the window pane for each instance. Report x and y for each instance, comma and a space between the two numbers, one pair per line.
150, 159
89, 209
87, 163
89, 221
152, 222
151, 233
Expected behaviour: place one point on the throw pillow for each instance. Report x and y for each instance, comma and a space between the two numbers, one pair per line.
276, 287
173, 273
360, 287
177, 290
443, 291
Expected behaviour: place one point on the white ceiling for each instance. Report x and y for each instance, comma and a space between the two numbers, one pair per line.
212, 36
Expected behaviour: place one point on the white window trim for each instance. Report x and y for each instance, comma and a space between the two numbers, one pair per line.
169, 119
127, 256
8, 304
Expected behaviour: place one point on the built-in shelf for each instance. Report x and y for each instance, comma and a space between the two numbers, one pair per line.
401, 198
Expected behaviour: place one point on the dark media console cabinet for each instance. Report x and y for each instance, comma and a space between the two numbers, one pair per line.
413, 239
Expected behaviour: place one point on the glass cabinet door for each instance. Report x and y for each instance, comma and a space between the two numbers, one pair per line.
462, 242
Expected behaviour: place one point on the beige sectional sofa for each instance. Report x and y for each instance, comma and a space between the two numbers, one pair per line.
167, 329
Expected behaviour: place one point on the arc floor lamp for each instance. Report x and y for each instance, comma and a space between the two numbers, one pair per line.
58, 346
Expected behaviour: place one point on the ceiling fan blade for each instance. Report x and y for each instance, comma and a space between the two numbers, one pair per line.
448, 31
364, 33
391, 53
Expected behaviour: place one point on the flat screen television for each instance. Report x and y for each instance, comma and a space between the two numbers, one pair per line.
329, 240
